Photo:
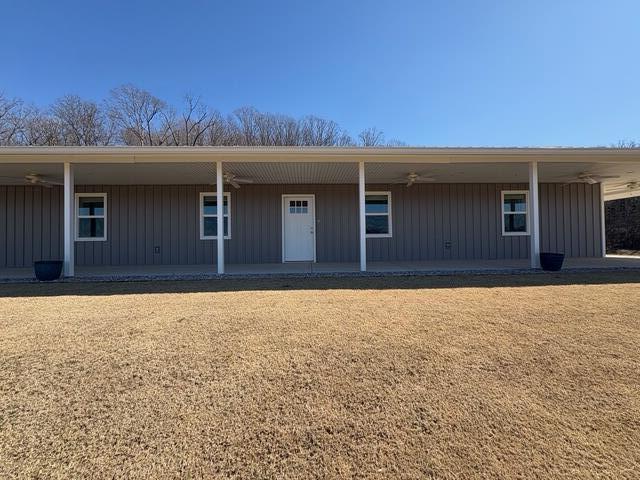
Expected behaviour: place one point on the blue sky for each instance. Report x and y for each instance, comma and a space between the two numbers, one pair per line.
454, 73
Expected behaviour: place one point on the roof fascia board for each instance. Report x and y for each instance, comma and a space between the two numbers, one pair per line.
312, 154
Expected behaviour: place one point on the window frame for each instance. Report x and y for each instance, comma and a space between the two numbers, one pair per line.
388, 214
225, 195
527, 212
78, 217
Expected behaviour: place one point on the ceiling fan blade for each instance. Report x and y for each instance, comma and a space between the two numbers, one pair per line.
37, 179
242, 180
234, 183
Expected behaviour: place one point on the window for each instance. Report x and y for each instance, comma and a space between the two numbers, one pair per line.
298, 206
91, 216
377, 211
515, 212
209, 215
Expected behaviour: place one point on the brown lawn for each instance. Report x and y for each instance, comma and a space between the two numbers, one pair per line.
443, 377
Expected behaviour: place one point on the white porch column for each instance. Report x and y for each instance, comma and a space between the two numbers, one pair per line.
69, 221
220, 217
363, 223
535, 215
603, 231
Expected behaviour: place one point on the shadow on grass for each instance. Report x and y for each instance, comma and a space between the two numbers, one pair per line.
316, 283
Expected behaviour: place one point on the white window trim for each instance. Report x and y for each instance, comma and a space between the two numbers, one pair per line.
78, 217
527, 212
227, 196
389, 210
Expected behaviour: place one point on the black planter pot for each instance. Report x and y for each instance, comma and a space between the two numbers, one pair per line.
47, 270
551, 261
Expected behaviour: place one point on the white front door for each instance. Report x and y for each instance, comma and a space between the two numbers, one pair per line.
298, 228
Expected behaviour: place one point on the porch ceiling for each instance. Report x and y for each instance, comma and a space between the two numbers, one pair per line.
265, 173
166, 173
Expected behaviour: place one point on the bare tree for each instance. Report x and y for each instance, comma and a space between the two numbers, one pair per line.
286, 130
394, 142
627, 144
10, 119
246, 121
138, 115
222, 131
134, 116
252, 127
82, 122
371, 137
192, 126
39, 128
319, 132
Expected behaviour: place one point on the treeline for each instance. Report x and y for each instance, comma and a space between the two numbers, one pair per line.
133, 116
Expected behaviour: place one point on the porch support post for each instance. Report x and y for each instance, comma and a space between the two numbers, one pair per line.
220, 216
68, 215
535, 215
603, 230
363, 223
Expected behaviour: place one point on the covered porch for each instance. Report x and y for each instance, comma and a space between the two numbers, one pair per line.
370, 210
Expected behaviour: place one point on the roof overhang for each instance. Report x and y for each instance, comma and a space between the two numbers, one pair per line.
122, 154
136, 165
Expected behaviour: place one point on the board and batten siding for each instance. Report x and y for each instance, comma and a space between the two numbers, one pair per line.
143, 220
463, 222
159, 224
30, 225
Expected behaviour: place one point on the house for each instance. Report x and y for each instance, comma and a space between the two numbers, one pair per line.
101, 208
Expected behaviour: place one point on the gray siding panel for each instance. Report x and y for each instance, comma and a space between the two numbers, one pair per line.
11, 227
29, 225
570, 218
466, 216
597, 219
3, 226
426, 217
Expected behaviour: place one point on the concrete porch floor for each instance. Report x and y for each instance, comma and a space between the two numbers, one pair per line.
437, 267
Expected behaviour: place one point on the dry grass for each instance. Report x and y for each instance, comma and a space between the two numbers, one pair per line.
488, 377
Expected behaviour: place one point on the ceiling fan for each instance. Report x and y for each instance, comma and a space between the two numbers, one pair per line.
590, 178
413, 177
35, 179
231, 179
